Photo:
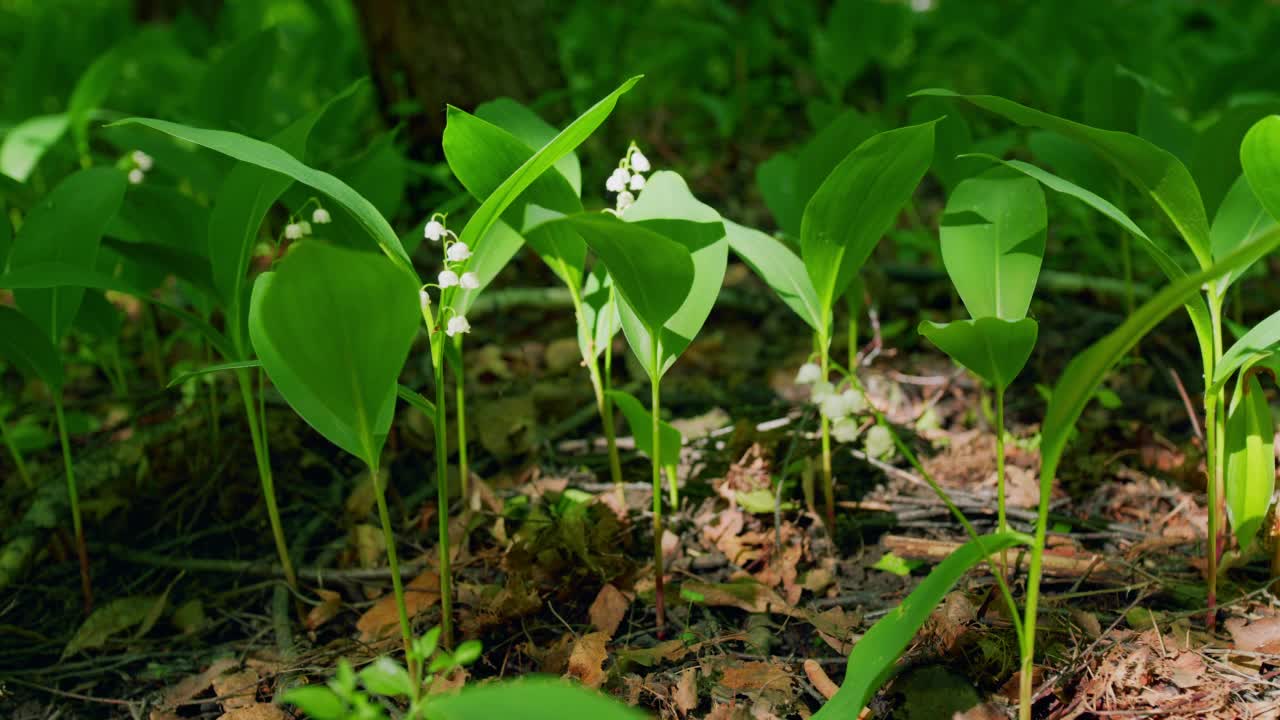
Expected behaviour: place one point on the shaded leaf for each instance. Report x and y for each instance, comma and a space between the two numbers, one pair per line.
778, 266
530, 698
1251, 461
993, 349
641, 422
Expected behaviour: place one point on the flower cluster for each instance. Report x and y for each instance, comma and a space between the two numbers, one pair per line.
142, 163
626, 178
456, 254
841, 408
299, 229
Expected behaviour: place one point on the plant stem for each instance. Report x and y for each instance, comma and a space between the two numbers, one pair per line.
1002, 523
460, 418
252, 410
828, 489
1215, 435
599, 385
442, 499
16, 453
673, 487
393, 561
655, 383
82, 551
606, 417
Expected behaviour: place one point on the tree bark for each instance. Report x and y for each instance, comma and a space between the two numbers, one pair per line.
435, 52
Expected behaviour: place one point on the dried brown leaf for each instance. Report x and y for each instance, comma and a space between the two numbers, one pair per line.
383, 618
586, 662
329, 606
609, 609
685, 693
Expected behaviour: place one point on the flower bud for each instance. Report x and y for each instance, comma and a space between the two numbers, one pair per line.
639, 162
320, 216
135, 176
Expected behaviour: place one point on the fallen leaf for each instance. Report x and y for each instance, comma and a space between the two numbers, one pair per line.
256, 711
685, 693
450, 682
818, 677
369, 545
189, 687
1261, 636
586, 662
985, 711
670, 544
112, 619
608, 609
382, 620
836, 628
326, 610
236, 690
743, 594
757, 676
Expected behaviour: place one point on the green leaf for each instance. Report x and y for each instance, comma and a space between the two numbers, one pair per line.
1086, 370
416, 399
270, 157
530, 698
27, 142
212, 369
1260, 157
247, 194
873, 659
1216, 163
993, 349
667, 207
317, 701
1154, 171
110, 620
992, 238
234, 92
891, 563
570, 138
385, 676
495, 251
333, 327
1251, 461
1260, 341
779, 267
641, 422
600, 319
1239, 221
91, 90
66, 227
858, 203
652, 272
24, 344
6, 236
533, 131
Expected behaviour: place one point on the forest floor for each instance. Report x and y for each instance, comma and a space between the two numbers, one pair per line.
554, 571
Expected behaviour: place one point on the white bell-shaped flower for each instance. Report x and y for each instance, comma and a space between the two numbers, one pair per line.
845, 430
142, 160
448, 279
457, 252
457, 324
637, 182
639, 162
424, 299
293, 231
469, 281
625, 200
855, 401
808, 373
320, 216
617, 181
821, 391
433, 231
306, 227
135, 176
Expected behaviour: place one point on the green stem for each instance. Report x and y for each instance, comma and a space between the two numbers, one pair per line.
252, 411
1002, 523
828, 487
393, 562
599, 385
86, 583
615, 462
16, 454
442, 499
673, 487
655, 384
1215, 436
460, 419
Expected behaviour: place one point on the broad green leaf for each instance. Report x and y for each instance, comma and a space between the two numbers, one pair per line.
1153, 170
164, 260
246, 195
271, 157
779, 267
483, 156
667, 207
111, 620
533, 131
858, 203
66, 227
60, 274
652, 272
6, 236
99, 318
333, 327
317, 701
873, 659
1251, 461
26, 345
1260, 157
641, 422
995, 350
416, 399
1261, 340
530, 698
600, 321
495, 251
1086, 370
385, 676
992, 238
234, 92
1240, 219
91, 90
570, 138
27, 142
1216, 163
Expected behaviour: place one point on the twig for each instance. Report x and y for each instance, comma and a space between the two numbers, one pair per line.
1186, 401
